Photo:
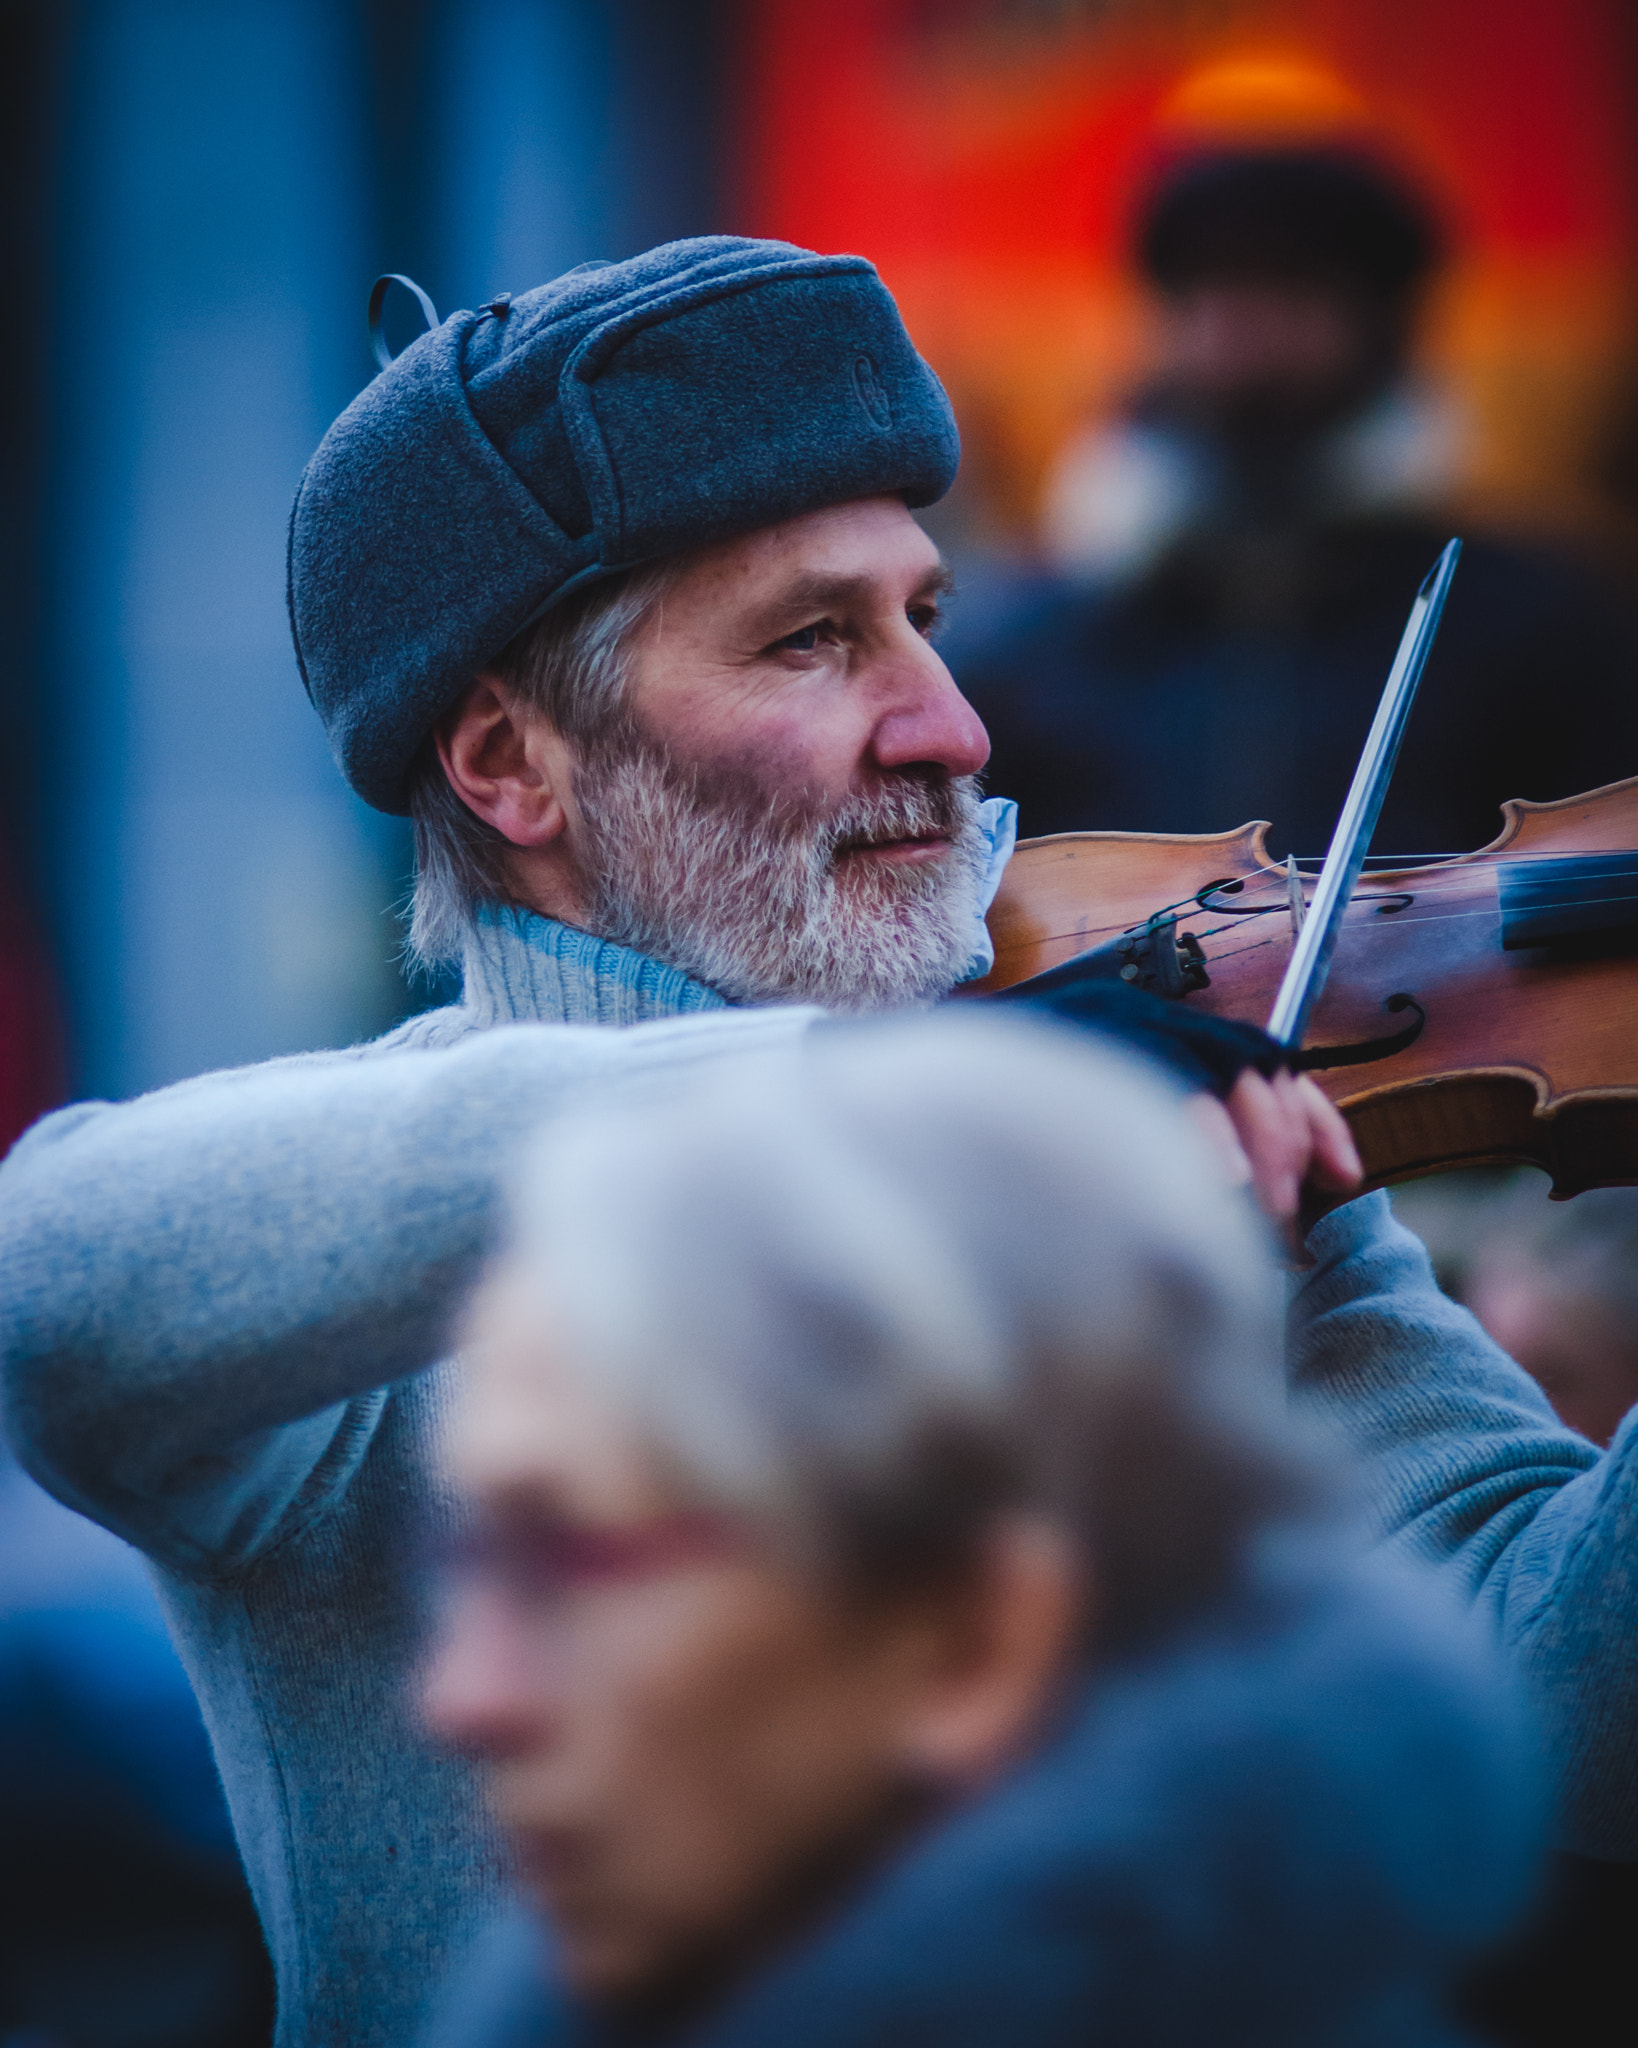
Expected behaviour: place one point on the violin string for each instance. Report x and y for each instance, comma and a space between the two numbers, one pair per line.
1456, 876
1489, 910
1481, 858
1451, 885
1471, 865
1451, 916
1455, 886
1401, 919
1361, 903
1228, 952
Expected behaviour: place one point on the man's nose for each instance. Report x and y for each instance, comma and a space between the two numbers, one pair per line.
480, 1693
926, 719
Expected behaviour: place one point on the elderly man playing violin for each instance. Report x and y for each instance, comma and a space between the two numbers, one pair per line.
614, 588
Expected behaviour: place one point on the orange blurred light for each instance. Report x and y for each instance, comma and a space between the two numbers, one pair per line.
1261, 98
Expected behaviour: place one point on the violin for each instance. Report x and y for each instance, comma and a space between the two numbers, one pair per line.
1479, 1010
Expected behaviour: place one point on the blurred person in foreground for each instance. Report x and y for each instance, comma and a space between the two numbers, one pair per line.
1234, 557
898, 1606
615, 588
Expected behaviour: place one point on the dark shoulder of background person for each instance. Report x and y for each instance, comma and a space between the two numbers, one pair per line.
1184, 701
1563, 1980
1533, 691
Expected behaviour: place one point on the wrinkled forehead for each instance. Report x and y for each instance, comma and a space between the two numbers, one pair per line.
868, 551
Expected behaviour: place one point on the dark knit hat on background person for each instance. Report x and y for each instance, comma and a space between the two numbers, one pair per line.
624, 412
1317, 215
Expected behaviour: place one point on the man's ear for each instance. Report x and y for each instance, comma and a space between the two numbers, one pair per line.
506, 764
1012, 1640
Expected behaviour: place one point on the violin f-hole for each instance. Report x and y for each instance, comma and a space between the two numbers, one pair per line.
1364, 1050
1225, 885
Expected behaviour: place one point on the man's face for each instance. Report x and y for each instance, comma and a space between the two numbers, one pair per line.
798, 657
691, 1746
788, 809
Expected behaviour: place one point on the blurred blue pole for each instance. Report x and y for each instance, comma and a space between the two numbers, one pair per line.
219, 895
236, 172
523, 140
571, 129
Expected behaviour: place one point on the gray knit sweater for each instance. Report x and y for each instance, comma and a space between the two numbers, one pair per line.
222, 1308
1463, 1463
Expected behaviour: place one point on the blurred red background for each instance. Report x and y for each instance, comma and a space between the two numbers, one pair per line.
988, 156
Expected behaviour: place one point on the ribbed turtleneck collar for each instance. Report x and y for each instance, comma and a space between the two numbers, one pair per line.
521, 968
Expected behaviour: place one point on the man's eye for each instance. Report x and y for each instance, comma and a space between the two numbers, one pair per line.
805, 640
926, 618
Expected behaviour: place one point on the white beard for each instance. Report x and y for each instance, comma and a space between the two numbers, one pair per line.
762, 907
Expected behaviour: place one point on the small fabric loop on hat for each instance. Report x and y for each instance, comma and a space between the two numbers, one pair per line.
378, 298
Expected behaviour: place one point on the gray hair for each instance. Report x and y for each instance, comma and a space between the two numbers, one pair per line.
572, 667
873, 1292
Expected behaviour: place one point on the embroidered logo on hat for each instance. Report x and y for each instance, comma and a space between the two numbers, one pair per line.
872, 393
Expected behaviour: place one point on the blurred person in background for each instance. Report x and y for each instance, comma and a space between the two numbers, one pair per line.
1558, 1288
896, 1603
1555, 1283
1232, 559
33, 1068
615, 588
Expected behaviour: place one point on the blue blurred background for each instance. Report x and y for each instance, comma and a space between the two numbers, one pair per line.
197, 194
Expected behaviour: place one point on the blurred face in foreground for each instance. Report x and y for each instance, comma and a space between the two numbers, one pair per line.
694, 1746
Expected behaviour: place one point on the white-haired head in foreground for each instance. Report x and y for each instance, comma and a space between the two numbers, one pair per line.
829, 1415
868, 1296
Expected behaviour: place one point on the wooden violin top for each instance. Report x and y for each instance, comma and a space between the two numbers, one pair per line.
1516, 1038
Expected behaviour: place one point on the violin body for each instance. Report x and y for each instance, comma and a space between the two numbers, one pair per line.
1480, 1010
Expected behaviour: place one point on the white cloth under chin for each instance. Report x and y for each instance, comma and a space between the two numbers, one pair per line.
998, 822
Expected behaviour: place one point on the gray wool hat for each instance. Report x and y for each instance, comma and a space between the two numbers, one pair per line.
623, 412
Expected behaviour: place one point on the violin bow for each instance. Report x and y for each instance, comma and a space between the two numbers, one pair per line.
1310, 961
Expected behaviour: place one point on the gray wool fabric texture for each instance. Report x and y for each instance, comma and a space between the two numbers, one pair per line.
248, 1388
223, 1308
624, 412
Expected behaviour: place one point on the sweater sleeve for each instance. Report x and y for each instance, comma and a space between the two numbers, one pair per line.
201, 1291
1465, 1464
